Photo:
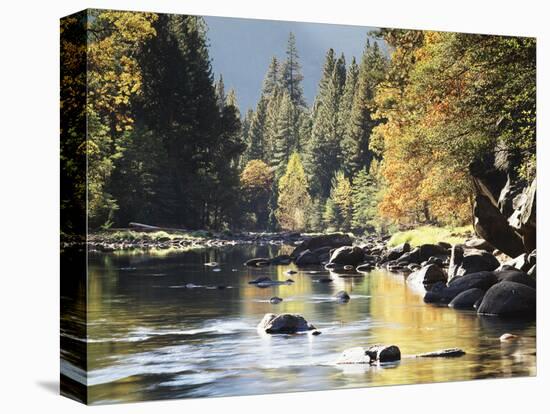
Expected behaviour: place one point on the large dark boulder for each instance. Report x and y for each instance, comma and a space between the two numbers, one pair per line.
467, 299
524, 218
307, 258
504, 206
285, 323
509, 299
428, 250
347, 255
396, 252
481, 280
479, 244
441, 293
427, 276
326, 240
516, 276
473, 261
411, 257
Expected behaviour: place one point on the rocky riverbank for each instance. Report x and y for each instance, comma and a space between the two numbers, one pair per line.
471, 276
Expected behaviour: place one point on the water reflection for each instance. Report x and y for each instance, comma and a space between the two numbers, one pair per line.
149, 337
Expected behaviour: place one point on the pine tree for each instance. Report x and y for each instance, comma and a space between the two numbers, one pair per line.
293, 198
256, 132
220, 93
342, 196
272, 80
323, 150
346, 102
292, 73
283, 143
355, 145
365, 197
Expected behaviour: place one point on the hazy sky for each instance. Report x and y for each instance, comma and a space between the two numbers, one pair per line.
241, 49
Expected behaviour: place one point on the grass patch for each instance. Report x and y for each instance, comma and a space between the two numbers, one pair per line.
432, 235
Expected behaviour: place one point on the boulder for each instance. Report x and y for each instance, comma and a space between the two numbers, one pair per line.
524, 218
275, 300
441, 293
411, 257
307, 258
467, 299
396, 252
473, 261
285, 323
438, 261
521, 262
516, 276
427, 276
443, 353
260, 280
326, 240
504, 207
383, 353
509, 299
347, 255
342, 296
479, 244
282, 259
365, 267
428, 250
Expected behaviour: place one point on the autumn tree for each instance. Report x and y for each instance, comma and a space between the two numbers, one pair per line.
293, 198
256, 182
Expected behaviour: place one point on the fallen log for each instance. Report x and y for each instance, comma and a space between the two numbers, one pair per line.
147, 228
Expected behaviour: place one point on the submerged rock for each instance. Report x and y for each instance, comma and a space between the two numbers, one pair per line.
443, 353
342, 296
258, 261
285, 323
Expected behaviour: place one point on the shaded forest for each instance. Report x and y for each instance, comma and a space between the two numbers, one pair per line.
387, 141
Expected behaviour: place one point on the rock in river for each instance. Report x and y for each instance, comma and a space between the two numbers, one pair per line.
258, 261
467, 299
326, 240
307, 258
509, 299
427, 276
275, 300
383, 353
285, 323
342, 296
444, 353
347, 255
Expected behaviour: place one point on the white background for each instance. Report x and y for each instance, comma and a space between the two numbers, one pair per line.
29, 216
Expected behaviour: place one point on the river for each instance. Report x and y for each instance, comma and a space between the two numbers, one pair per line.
152, 337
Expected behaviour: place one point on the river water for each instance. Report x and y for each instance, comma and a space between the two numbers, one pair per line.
151, 337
